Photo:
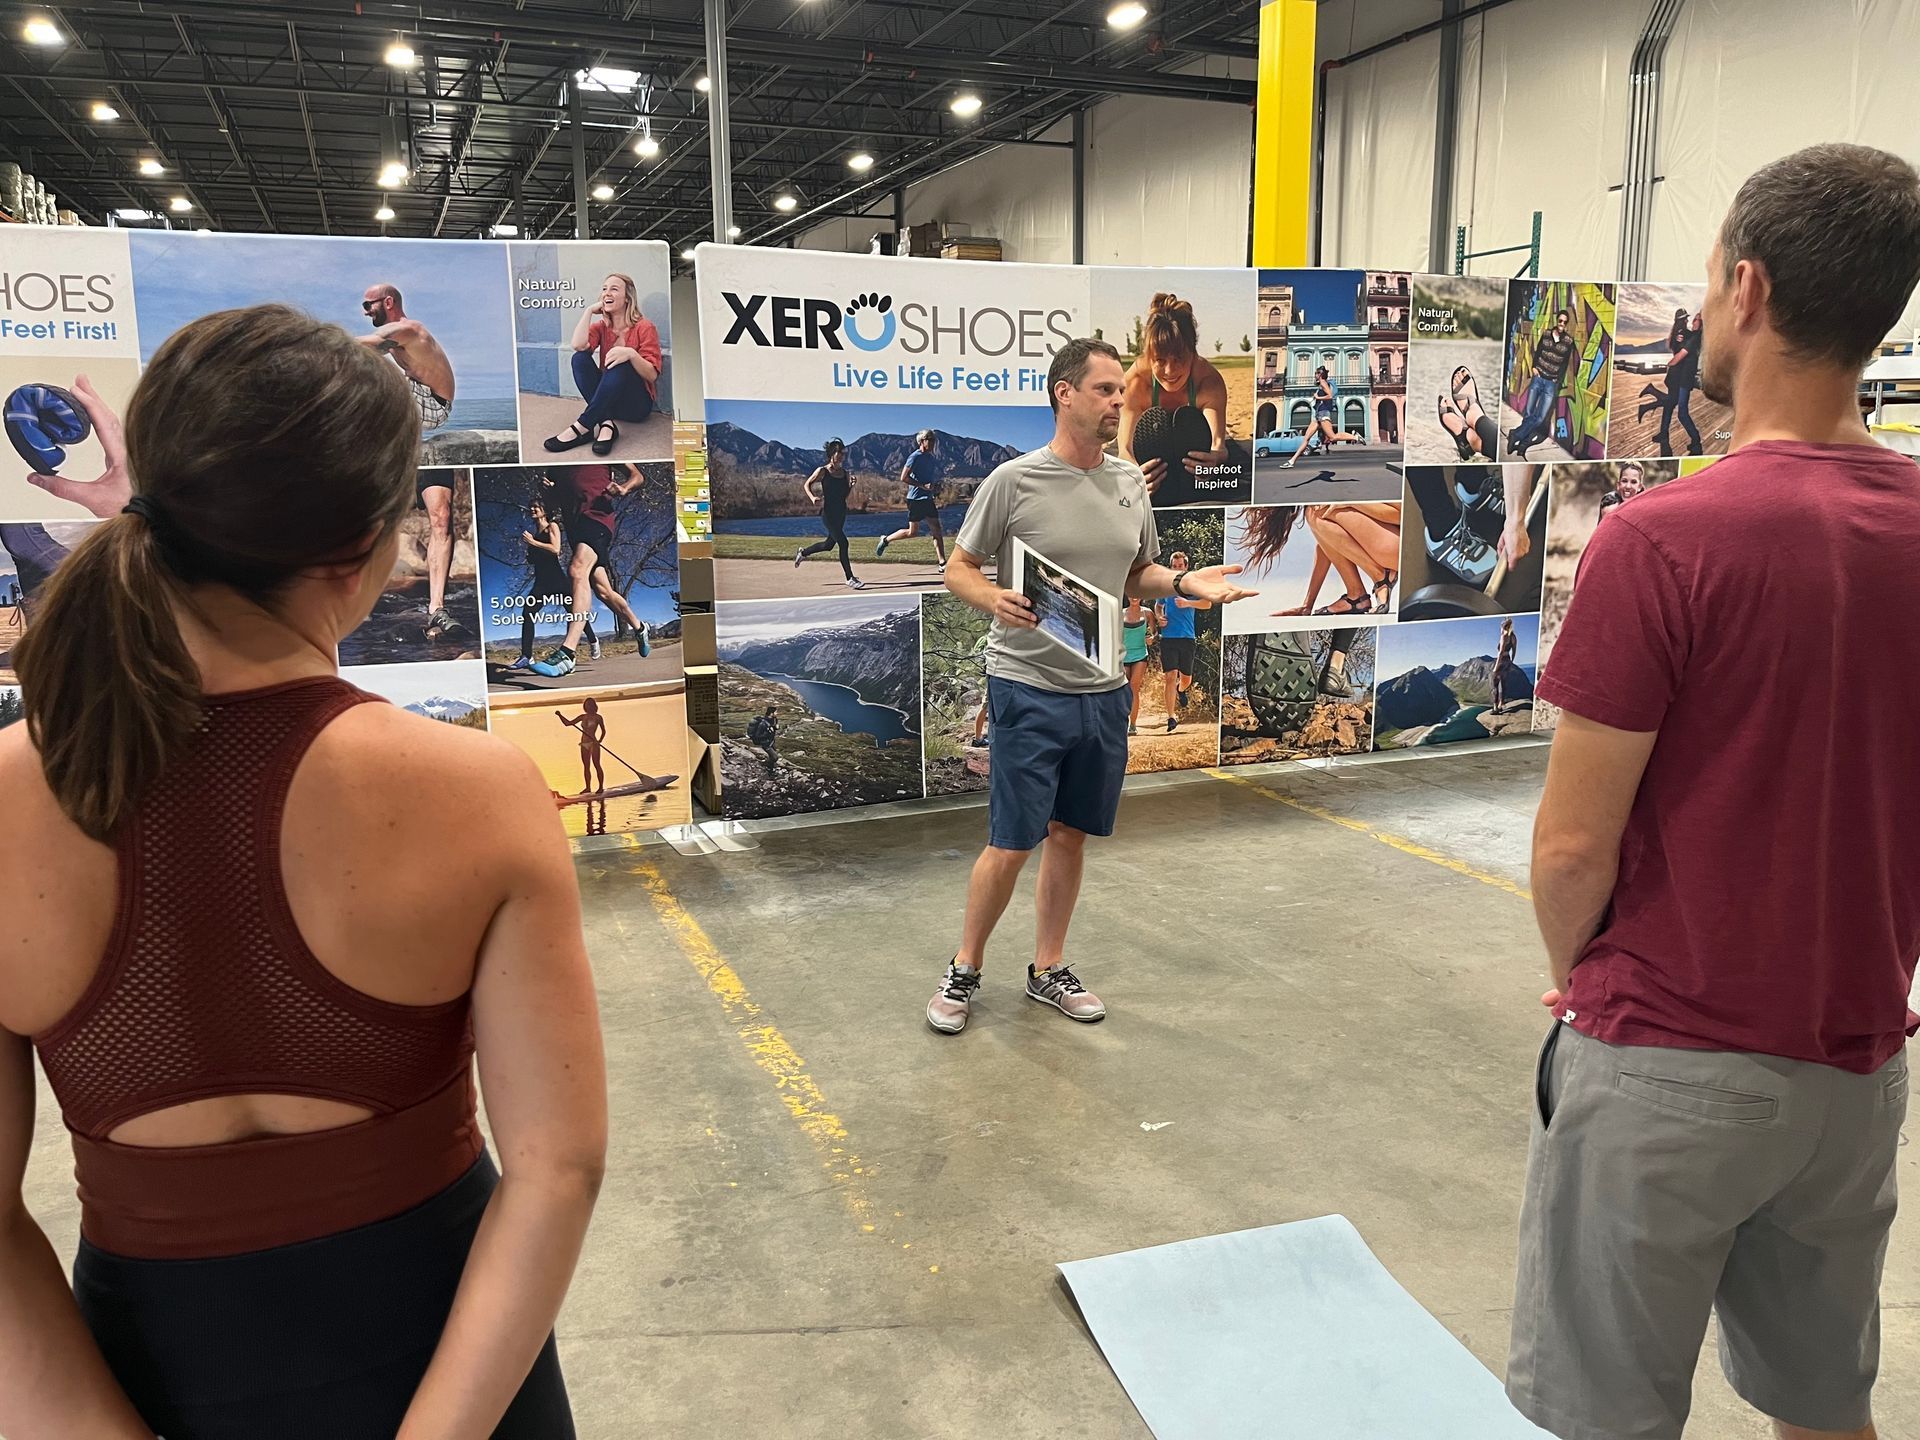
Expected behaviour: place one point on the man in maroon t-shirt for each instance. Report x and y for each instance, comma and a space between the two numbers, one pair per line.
1724, 864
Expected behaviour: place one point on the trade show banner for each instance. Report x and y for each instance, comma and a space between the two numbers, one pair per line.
1406, 467
514, 550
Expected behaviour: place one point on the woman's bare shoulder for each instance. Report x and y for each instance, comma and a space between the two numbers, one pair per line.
428, 764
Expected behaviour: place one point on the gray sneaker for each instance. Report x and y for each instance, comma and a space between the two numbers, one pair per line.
1061, 988
947, 1011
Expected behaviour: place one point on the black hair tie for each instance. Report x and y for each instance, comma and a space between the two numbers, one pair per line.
175, 553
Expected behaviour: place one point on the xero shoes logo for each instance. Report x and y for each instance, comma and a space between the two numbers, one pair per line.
790, 322
881, 305
871, 322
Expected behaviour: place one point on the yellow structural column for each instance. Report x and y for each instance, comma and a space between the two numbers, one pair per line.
1283, 130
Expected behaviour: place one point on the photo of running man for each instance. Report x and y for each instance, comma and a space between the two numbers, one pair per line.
593, 730
411, 346
434, 490
828, 487
552, 586
591, 518
921, 475
1177, 641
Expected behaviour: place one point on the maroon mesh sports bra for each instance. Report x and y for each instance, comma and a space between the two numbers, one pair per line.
207, 989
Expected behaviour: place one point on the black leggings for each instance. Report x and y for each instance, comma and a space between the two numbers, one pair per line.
836, 523
324, 1340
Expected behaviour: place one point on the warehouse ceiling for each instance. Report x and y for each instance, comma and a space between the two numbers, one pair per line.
280, 115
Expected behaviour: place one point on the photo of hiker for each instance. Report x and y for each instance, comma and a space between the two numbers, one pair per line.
1657, 407
953, 688
1330, 385
1455, 680
820, 703
581, 572
615, 759
430, 609
1184, 338
1068, 609
1583, 496
1297, 695
593, 344
762, 460
65, 460
1473, 540
438, 312
1174, 722
1559, 356
1288, 554
30, 551
1454, 369
452, 692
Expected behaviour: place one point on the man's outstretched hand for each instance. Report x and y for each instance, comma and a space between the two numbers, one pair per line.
1212, 584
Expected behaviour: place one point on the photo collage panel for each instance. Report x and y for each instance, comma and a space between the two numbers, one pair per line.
536, 588
1404, 468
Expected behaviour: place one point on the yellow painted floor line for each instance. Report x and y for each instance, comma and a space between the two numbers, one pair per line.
767, 1047
1385, 837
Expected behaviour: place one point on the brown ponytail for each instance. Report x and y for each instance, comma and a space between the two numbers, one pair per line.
261, 443
1170, 329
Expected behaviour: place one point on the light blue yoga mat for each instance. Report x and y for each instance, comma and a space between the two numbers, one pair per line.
1287, 1331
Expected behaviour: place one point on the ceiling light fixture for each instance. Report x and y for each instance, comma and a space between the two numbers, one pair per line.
703, 84
966, 105
150, 166
39, 30
133, 212
383, 214
608, 78
180, 205
687, 255
400, 55
504, 231
393, 173
646, 147
103, 111
603, 191
733, 232
1126, 15
860, 162
784, 203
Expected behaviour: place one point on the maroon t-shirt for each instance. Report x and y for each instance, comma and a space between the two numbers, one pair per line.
1764, 617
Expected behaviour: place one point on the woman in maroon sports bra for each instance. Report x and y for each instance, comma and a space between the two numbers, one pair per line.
258, 964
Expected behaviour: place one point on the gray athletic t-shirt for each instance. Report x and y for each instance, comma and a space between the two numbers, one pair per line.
1097, 523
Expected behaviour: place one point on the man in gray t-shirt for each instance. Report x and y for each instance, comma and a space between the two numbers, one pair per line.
1059, 721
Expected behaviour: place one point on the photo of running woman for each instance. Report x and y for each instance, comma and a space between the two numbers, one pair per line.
921, 475
828, 487
552, 587
587, 496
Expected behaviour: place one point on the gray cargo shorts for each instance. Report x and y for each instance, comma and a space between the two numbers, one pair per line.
1664, 1184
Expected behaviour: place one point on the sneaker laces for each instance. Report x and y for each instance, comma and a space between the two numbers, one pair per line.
960, 987
1062, 978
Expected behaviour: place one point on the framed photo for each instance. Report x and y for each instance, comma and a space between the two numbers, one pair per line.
1071, 611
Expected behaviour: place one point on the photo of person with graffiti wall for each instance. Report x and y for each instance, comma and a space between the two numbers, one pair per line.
1559, 361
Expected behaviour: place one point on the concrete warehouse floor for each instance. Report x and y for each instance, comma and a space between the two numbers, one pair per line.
823, 1220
